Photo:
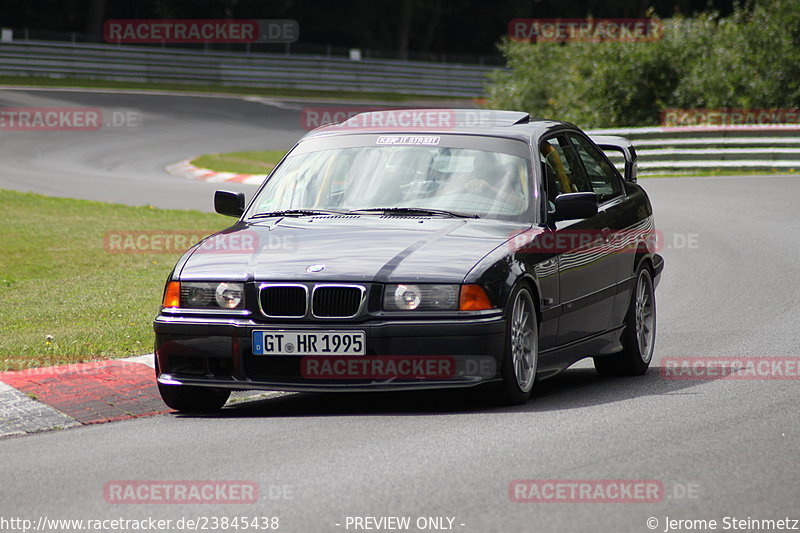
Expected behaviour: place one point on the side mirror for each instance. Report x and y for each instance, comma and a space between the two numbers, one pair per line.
229, 203
623, 146
631, 166
576, 205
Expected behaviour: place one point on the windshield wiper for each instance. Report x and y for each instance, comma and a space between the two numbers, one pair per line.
297, 213
414, 210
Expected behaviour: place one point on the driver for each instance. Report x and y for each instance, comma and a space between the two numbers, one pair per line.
495, 181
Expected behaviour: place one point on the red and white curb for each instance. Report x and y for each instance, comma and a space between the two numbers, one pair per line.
58, 397
185, 169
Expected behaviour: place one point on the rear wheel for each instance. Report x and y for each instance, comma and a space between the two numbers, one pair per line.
522, 348
638, 338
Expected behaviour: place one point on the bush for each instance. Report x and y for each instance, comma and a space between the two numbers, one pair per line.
750, 59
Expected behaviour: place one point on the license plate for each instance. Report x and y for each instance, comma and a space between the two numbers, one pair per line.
298, 342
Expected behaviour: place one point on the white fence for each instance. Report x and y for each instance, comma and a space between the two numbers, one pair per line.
690, 150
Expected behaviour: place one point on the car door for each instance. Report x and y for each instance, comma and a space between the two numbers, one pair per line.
623, 222
586, 270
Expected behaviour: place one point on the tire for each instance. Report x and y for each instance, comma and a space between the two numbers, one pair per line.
638, 338
190, 399
521, 356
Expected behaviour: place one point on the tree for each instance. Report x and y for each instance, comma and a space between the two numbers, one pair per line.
750, 59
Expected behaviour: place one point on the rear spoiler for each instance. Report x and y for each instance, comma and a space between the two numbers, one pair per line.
623, 145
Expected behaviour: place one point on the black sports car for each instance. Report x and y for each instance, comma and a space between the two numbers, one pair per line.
418, 249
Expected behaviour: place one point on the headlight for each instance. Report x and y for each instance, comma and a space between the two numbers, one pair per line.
229, 295
408, 297
211, 295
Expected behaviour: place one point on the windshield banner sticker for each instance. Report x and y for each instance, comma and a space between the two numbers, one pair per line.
408, 139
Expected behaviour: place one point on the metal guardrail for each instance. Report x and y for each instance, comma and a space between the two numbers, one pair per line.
688, 150
156, 65
301, 47
660, 150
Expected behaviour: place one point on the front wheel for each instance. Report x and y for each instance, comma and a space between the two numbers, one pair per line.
522, 348
639, 336
190, 399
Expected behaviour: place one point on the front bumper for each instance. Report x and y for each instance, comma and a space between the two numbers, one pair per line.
217, 352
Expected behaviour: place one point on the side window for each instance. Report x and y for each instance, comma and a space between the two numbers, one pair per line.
561, 169
605, 180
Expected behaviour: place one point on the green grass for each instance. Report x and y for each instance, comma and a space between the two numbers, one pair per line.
256, 162
58, 280
43, 81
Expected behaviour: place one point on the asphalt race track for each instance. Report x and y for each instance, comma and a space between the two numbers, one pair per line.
721, 448
126, 163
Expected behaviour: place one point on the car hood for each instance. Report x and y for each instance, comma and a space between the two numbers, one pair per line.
347, 248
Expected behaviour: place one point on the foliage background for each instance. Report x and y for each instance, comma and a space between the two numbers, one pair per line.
434, 30
748, 59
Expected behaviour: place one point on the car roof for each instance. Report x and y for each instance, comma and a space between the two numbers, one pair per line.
508, 124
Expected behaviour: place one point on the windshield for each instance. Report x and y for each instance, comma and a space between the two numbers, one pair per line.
465, 181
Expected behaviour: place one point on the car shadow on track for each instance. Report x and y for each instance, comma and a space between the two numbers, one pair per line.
574, 388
